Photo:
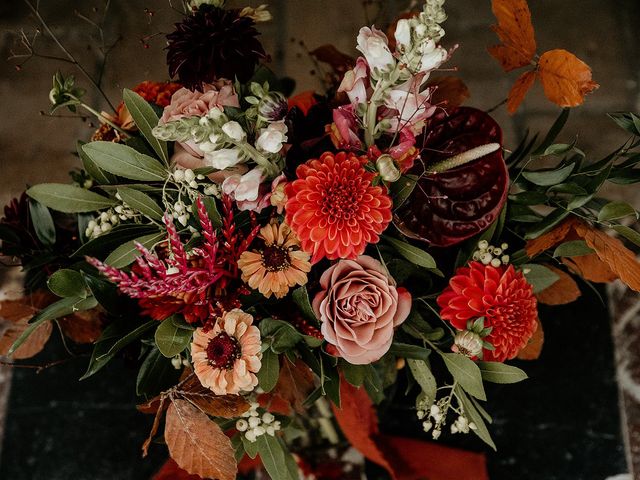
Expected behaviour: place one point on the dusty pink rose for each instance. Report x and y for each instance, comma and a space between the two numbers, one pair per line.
359, 307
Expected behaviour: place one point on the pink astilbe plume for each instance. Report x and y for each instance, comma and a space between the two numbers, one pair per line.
192, 285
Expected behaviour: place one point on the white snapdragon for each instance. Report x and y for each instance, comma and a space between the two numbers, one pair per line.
373, 44
234, 131
244, 187
223, 158
272, 138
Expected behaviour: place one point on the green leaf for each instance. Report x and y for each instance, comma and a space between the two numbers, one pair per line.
402, 189
156, 374
61, 308
94, 171
141, 202
270, 370
42, 222
539, 276
546, 178
422, 373
406, 350
466, 373
146, 119
615, 211
626, 120
170, 339
413, 254
127, 253
354, 374
550, 221
476, 417
67, 283
272, 457
125, 161
69, 198
107, 242
212, 211
574, 248
628, 233
496, 372
301, 299
554, 131
250, 448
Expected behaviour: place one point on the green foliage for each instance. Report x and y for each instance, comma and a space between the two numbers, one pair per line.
539, 276
301, 298
126, 253
573, 248
415, 255
42, 222
171, 339
145, 119
270, 370
422, 374
69, 198
466, 373
125, 161
141, 202
496, 372
156, 374
67, 283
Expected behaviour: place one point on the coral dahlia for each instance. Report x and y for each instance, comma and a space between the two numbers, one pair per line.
227, 357
499, 294
334, 209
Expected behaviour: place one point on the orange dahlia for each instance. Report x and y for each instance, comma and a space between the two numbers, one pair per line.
278, 265
499, 294
334, 209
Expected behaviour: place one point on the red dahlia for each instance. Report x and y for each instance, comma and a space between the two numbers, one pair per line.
502, 296
333, 208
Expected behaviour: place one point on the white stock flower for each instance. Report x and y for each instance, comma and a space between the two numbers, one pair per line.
272, 137
223, 158
403, 33
374, 46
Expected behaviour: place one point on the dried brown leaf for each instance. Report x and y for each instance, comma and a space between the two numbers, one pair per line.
83, 327
225, 406
449, 92
591, 268
551, 238
154, 428
519, 90
564, 290
197, 443
295, 383
14, 319
533, 349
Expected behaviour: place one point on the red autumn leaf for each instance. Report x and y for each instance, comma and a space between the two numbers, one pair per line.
516, 33
14, 318
448, 92
534, 347
565, 78
519, 90
171, 471
564, 290
358, 420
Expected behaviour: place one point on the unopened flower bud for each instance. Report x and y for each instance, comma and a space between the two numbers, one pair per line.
273, 107
387, 168
467, 343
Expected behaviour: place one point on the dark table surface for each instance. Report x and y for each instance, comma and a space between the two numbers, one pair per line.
561, 424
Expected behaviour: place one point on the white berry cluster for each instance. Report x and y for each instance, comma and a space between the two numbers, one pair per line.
187, 177
490, 255
435, 416
178, 362
254, 425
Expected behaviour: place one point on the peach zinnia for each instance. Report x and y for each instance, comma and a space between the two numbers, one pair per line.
334, 209
278, 265
227, 357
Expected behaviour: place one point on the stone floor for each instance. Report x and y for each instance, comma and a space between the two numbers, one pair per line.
38, 148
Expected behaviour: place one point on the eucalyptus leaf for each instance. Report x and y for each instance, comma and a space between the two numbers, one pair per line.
616, 211
628, 233
574, 248
476, 417
67, 283
42, 222
69, 198
411, 253
270, 370
146, 119
539, 276
171, 339
141, 202
422, 373
497, 372
125, 161
546, 178
466, 373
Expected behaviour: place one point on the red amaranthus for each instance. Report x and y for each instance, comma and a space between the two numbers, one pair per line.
191, 284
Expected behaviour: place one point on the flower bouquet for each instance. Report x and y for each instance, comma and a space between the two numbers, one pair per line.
280, 268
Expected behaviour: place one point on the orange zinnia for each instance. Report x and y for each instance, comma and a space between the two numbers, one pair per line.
334, 209
279, 265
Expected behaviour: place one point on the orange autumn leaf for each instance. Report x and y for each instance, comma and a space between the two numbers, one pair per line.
533, 349
448, 92
591, 268
515, 31
295, 383
83, 327
564, 290
551, 238
565, 78
14, 320
519, 90
612, 251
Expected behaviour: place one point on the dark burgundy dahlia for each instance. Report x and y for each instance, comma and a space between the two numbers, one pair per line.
451, 206
213, 43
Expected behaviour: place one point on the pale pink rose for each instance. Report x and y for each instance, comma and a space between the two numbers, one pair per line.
356, 82
185, 103
373, 44
359, 307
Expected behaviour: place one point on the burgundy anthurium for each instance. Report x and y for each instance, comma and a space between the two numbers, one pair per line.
451, 206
